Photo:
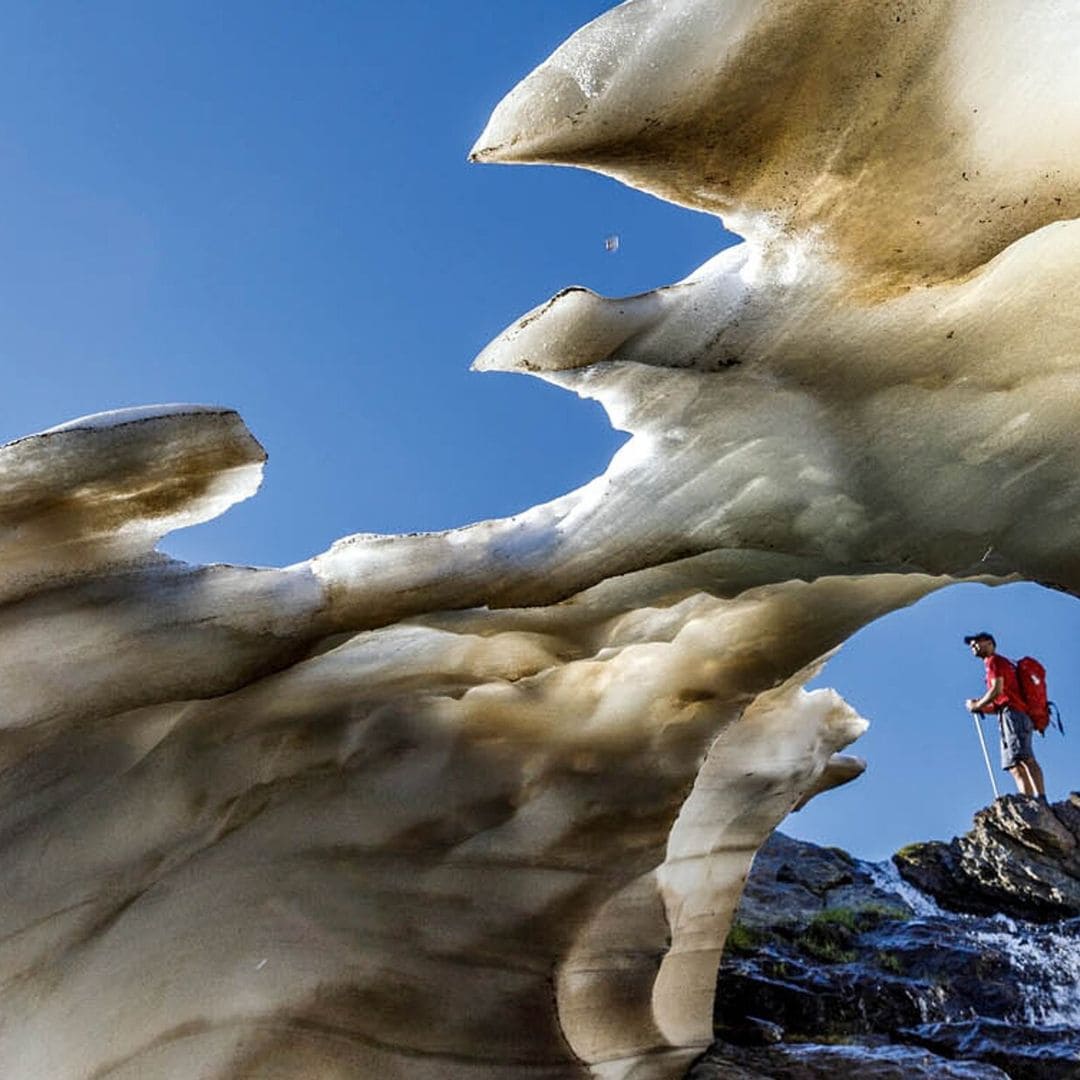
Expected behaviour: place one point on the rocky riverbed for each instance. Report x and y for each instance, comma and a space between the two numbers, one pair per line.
836, 967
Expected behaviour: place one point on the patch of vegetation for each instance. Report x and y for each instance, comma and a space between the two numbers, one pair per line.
743, 939
888, 961
911, 852
836, 916
830, 936
871, 916
827, 949
840, 853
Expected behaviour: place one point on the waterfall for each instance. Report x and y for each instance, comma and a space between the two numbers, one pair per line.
1046, 963
885, 877
1044, 960
838, 952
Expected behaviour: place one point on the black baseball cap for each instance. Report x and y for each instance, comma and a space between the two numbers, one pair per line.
981, 635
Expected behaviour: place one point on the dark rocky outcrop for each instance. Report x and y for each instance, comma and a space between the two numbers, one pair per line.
832, 1062
835, 967
1023, 1049
1020, 858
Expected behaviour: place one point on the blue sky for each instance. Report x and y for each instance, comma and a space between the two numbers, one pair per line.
268, 206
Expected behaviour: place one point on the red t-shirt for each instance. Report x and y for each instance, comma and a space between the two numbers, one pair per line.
997, 667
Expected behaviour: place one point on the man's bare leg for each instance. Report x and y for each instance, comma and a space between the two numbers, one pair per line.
1024, 783
1029, 778
1035, 774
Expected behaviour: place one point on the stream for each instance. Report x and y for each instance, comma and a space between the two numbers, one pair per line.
837, 967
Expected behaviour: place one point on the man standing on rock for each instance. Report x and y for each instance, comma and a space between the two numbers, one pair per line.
1003, 698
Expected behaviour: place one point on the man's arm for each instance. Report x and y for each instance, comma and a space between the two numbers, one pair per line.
978, 704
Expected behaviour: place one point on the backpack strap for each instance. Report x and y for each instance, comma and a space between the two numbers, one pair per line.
1055, 716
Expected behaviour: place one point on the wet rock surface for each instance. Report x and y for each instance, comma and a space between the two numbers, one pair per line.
1021, 857
1023, 1049
836, 967
829, 1062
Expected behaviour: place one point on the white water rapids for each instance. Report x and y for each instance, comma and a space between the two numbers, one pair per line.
1044, 959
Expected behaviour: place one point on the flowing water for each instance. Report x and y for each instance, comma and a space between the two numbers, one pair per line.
1043, 960
995, 996
886, 878
1046, 962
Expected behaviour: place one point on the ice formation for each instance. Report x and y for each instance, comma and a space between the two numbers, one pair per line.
480, 804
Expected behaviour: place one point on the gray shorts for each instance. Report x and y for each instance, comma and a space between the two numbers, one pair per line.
1016, 731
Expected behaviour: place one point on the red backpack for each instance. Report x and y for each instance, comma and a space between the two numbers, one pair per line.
1031, 676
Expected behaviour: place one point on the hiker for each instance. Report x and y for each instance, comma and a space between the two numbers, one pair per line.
1003, 697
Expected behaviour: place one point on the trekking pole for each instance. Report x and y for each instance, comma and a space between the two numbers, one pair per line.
986, 755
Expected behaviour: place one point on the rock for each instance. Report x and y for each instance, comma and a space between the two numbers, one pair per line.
751, 1031
1020, 858
1025, 1051
813, 1002
792, 881
877, 974
794, 1062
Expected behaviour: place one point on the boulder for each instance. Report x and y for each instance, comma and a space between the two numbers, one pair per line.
1020, 858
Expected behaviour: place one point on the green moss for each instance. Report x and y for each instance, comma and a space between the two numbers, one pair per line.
827, 949
742, 938
830, 935
863, 917
873, 915
836, 916
911, 852
890, 962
